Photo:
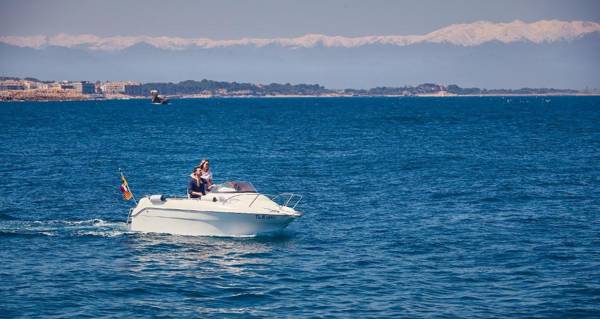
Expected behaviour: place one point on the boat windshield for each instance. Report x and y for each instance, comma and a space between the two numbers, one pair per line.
234, 187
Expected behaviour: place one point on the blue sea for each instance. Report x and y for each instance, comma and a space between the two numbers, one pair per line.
475, 207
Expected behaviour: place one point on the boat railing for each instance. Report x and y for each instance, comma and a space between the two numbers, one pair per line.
290, 200
129, 215
243, 194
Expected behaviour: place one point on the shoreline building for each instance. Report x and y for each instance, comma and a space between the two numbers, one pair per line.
84, 87
79, 87
11, 85
67, 86
116, 87
33, 85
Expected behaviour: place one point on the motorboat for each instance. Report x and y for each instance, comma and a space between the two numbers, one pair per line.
158, 99
233, 209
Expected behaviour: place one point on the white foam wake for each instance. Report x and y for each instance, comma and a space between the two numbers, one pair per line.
88, 227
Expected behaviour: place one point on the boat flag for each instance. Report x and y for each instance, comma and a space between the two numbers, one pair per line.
127, 195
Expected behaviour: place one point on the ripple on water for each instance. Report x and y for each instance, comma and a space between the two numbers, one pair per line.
462, 207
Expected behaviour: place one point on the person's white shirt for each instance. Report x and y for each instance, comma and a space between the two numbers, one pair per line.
206, 175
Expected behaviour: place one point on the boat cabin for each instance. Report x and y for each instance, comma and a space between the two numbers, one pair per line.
234, 187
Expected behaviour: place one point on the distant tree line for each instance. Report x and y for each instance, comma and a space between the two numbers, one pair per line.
233, 88
229, 88
431, 88
217, 88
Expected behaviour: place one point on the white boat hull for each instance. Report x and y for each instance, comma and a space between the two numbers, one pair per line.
204, 223
219, 214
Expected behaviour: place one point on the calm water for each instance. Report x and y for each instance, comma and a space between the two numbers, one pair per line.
414, 207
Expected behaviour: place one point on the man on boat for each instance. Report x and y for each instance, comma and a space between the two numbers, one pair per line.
196, 186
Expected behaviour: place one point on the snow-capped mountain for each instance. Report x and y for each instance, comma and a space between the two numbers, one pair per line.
547, 53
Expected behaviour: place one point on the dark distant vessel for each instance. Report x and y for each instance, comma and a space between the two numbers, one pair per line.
158, 99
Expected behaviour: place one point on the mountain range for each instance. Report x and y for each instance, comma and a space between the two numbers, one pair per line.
508, 55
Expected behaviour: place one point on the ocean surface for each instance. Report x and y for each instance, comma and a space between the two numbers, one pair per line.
478, 207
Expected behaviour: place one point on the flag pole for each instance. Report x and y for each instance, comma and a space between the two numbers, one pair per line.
128, 188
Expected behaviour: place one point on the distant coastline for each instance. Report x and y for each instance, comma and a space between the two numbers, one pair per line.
31, 89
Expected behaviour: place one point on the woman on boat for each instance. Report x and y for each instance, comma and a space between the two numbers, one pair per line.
206, 175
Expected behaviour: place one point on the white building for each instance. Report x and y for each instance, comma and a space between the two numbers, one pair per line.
84, 87
115, 87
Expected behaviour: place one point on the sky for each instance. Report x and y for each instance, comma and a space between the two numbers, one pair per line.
227, 19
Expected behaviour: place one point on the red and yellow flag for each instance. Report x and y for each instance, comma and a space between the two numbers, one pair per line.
125, 189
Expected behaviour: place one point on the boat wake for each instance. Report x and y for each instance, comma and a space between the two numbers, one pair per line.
66, 228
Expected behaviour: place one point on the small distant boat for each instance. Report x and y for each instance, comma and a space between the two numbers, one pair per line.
231, 209
158, 99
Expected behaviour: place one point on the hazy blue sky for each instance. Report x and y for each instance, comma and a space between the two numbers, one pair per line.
227, 19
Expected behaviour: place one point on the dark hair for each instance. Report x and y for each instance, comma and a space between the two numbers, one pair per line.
203, 163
